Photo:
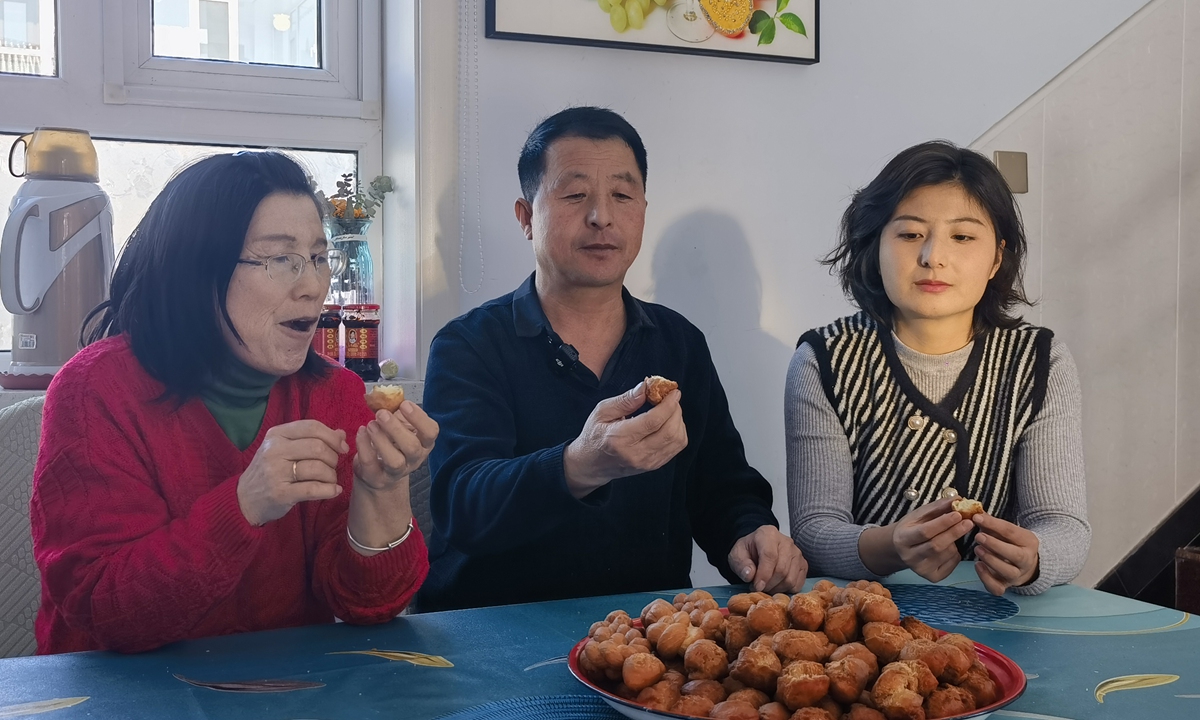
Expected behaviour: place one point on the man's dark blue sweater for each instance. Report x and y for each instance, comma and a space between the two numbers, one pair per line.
505, 527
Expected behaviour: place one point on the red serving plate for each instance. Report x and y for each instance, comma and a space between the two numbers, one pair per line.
1008, 676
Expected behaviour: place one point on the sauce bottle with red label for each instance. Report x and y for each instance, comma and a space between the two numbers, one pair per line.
362, 340
327, 341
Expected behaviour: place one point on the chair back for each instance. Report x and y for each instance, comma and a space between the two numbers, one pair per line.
20, 582
1187, 579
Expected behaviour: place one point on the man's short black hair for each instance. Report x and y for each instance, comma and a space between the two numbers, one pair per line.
588, 122
855, 260
168, 291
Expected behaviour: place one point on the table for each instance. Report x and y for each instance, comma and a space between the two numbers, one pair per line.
1069, 641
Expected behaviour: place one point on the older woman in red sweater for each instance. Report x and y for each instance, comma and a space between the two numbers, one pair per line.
201, 470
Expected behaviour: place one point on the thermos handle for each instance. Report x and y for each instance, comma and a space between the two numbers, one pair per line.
24, 139
10, 257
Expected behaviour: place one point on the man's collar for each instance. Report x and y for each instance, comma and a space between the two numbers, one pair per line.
531, 321
528, 315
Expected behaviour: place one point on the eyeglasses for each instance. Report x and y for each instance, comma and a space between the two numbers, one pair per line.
287, 268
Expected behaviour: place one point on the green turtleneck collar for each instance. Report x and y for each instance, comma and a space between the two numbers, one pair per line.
237, 399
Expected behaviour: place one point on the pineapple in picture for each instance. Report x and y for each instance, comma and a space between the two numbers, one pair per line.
728, 17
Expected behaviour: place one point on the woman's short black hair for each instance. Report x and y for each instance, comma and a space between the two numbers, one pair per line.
856, 258
168, 290
588, 122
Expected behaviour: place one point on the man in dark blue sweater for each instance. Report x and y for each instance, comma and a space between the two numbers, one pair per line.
550, 479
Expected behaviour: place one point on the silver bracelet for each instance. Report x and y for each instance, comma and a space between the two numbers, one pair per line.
390, 545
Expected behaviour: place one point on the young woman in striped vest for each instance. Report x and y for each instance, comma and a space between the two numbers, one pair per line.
936, 388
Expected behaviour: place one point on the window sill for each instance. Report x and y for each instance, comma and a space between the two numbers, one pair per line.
12, 397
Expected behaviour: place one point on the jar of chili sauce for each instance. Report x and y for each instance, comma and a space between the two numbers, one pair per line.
327, 341
362, 340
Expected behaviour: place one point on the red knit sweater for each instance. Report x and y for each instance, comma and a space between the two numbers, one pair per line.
137, 529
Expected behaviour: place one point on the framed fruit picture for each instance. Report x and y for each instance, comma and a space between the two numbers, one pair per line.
774, 30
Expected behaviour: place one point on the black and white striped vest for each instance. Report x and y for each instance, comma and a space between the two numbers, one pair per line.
900, 440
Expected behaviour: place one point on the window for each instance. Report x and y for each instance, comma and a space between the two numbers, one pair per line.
27, 37
232, 55
133, 173
264, 32
114, 78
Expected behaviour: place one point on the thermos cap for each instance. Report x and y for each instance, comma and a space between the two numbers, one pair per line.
57, 154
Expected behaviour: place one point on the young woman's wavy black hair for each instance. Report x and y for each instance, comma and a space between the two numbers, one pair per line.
592, 123
855, 260
168, 290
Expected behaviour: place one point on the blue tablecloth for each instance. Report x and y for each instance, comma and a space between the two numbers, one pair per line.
508, 662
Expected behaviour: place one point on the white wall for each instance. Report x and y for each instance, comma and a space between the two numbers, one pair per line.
1111, 212
751, 163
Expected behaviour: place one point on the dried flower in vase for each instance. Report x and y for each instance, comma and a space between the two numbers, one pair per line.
353, 207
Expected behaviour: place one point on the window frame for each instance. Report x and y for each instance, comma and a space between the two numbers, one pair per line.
345, 85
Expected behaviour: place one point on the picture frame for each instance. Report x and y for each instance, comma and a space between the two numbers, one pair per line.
785, 31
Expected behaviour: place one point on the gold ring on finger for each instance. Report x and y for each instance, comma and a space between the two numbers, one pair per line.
294, 464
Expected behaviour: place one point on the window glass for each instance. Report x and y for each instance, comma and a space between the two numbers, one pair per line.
133, 173
27, 37
264, 32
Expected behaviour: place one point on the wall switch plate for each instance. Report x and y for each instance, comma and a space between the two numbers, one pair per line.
1014, 166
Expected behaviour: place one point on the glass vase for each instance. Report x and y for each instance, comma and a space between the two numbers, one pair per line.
356, 283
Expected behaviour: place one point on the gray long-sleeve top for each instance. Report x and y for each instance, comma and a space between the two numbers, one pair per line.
1048, 472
